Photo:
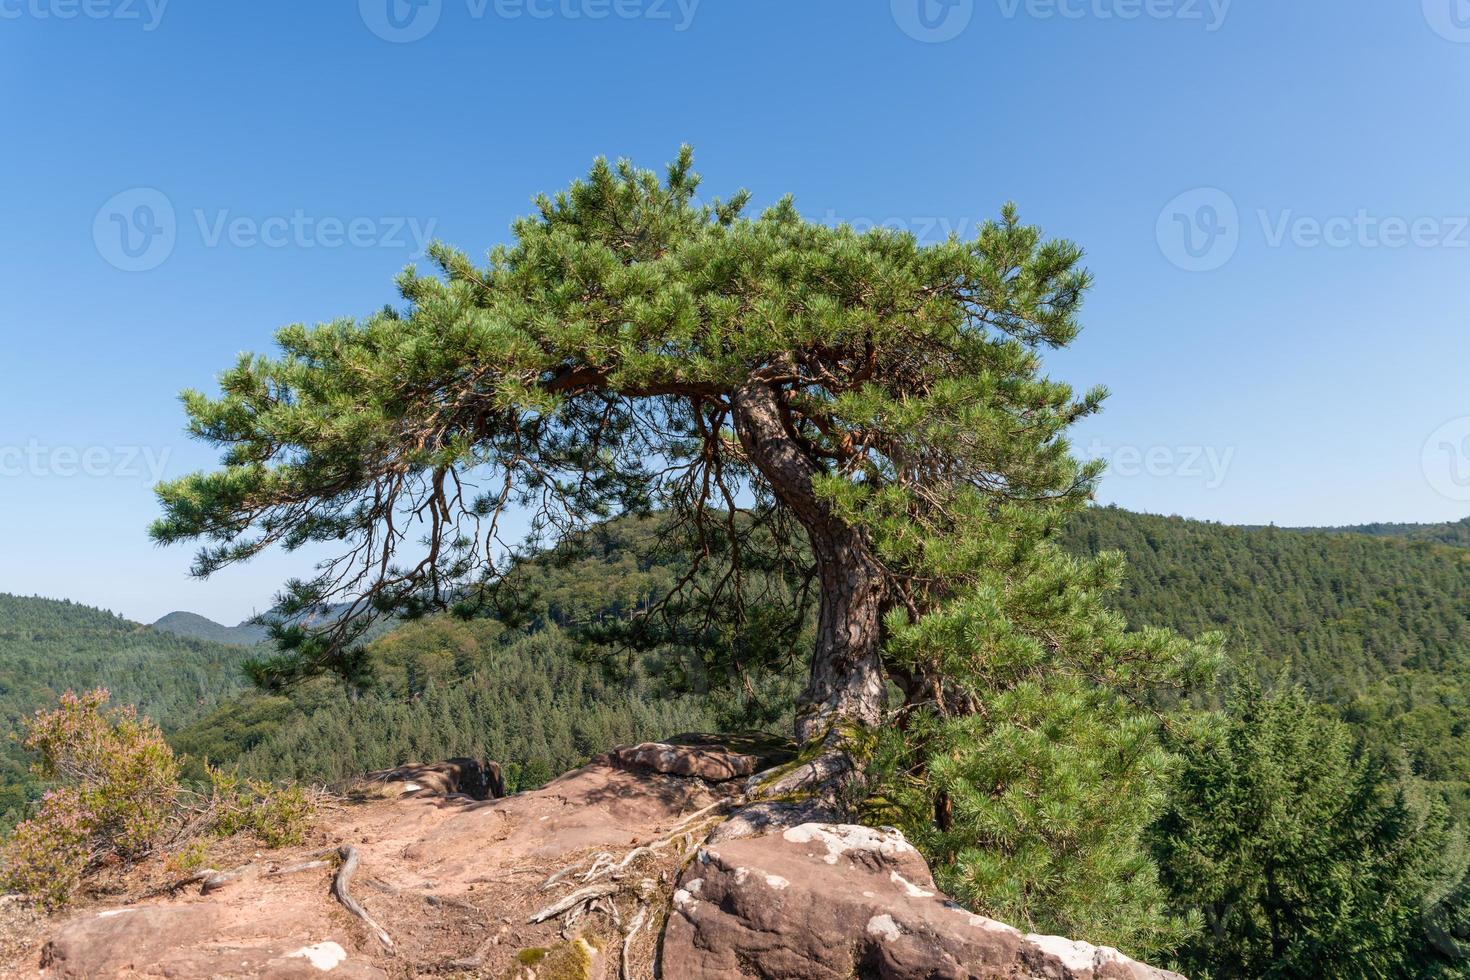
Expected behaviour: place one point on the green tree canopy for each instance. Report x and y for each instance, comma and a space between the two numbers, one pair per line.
1303, 855
633, 348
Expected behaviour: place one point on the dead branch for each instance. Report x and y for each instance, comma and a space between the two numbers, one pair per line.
581, 896
341, 893
632, 930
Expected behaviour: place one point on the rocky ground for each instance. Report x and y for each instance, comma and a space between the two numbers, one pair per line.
629, 867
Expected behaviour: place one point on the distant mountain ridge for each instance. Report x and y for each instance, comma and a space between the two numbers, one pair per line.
1453, 533
248, 634
48, 646
201, 628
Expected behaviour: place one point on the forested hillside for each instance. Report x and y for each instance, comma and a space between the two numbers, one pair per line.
48, 646
534, 694
200, 628
1456, 533
1374, 628
1378, 628
447, 688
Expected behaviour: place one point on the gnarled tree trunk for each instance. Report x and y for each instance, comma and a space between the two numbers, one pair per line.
847, 678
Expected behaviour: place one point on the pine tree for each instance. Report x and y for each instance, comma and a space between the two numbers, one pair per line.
1304, 857
770, 380
851, 425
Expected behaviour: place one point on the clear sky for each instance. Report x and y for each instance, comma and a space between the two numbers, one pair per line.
1273, 195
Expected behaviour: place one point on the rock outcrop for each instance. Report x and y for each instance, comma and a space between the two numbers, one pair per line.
609, 871
478, 779
700, 756
832, 901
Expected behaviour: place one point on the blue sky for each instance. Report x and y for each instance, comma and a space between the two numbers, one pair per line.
182, 177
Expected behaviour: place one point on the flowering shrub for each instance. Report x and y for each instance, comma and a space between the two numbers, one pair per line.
119, 799
125, 774
46, 855
119, 793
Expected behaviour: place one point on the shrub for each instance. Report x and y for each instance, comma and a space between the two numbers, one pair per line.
120, 800
277, 816
45, 856
191, 857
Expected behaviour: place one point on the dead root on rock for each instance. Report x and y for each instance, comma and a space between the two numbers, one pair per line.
625, 889
210, 880
340, 891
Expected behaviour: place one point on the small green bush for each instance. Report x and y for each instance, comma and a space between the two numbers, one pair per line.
277, 816
119, 799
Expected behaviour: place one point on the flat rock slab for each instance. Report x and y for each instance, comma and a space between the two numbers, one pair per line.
450, 879
834, 901
161, 940
712, 763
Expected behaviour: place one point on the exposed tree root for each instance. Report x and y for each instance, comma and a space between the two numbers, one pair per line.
580, 897
606, 878
632, 930
340, 891
294, 868
212, 879
219, 879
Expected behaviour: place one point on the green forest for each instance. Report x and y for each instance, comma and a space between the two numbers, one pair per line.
48, 647
1370, 634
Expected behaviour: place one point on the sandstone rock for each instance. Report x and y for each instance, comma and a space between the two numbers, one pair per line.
777, 891
757, 819
476, 778
452, 880
833, 901
191, 941
714, 764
